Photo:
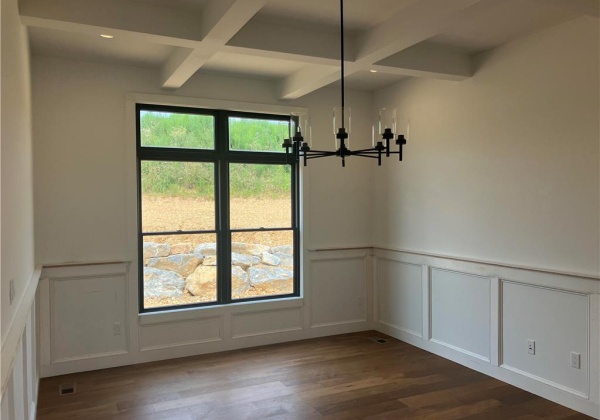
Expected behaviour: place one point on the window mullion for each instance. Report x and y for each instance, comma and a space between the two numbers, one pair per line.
224, 260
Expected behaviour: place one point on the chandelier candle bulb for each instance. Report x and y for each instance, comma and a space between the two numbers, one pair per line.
372, 136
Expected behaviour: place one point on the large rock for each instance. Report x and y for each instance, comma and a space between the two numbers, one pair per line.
239, 281
248, 249
154, 250
182, 264
244, 261
202, 280
285, 260
210, 260
283, 249
182, 248
206, 249
270, 259
162, 283
266, 277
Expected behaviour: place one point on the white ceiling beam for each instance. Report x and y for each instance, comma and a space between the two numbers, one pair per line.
221, 20
416, 23
277, 36
282, 55
182, 64
427, 60
162, 25
307, 80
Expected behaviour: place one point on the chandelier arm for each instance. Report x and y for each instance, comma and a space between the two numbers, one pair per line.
319, 151
370, 149
365, 156
317, 157
377, 152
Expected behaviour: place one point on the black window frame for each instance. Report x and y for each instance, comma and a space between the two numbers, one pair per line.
221, 156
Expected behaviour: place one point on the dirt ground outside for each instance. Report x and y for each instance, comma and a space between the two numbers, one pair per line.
161, 214
164, 213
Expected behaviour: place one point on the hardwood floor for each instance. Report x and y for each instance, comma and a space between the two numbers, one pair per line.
341, 377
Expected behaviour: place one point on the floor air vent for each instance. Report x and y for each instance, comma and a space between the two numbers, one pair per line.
378, 340
66, 389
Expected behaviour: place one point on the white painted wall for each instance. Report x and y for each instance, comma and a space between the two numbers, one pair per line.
502, 167
18, 365
85, 213
17, 174
81, 168
501, 174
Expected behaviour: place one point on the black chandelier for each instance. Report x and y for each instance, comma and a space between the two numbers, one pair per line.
301, 149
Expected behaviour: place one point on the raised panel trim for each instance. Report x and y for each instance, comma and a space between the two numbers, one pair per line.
443, 343
545, 381
495, 321
587, 276
365, 259
220, 321
265, 332
378, 317
93, 269
588, 335
89, 356
460, 350
180, 344
426, 296
330, 324
16, 327
51, 304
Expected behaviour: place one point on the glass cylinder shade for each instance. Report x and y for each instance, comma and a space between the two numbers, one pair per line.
301, 124
402, 126
387, 119
342, 117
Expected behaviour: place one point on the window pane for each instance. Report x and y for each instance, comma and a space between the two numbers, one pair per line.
262, 264
177, 196
179, 270
257, 135
170, 129
260, 195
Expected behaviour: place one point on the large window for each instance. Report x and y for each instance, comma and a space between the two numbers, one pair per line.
218, 208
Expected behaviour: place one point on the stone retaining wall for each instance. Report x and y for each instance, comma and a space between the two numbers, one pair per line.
181, 269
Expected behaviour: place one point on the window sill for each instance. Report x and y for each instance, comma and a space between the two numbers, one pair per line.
187, 314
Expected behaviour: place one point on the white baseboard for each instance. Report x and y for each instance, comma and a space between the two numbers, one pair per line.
544, 390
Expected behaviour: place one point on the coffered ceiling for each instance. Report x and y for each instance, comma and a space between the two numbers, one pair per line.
295, 44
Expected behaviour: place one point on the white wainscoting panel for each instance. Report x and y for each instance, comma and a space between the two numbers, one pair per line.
481, 315
338, 291
558, 322
84, 323
249, 324
19, 397
460, 312
85, 315
400, 295
176, 334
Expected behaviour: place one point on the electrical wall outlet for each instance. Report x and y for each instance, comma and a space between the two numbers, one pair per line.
575, 360
117, 328
530, 346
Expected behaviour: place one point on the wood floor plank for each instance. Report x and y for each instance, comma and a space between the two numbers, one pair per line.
336, 378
